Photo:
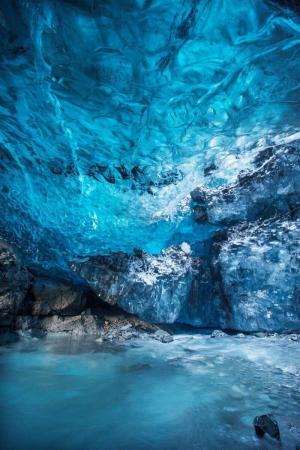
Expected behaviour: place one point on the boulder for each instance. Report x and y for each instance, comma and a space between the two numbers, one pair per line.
266, 424
156, 288
56, 297
14, 282
258, 270
122, 327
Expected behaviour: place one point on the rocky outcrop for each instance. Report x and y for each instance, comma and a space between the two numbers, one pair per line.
41, 300
83, 324
49, 296
271, 188
120, 328
39, 305
157, 288
254, 261
14, 283
266, 424
259, 275
106, 326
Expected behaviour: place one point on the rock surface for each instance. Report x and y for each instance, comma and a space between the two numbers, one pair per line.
56, 297
270, 189
259, 275
254, 262
266, 424
120, 328
73, 325
155, 287
41, 305
106, 326
14, 282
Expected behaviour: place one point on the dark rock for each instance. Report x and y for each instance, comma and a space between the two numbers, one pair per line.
200, 214
168, 177
150, 191
199, 195
123, 172
266, 424
122, 328
139, 252
109, 176
154, 287
56, 297
59, 167
209, 169
72, 325
98, 171
136, 173
110, 325
14, 281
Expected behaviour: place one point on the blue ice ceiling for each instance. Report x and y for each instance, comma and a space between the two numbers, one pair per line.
113, 111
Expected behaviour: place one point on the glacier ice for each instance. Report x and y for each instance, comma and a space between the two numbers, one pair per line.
112, 112
245, 277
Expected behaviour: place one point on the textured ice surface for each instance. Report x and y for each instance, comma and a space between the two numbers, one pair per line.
158, 288
260, 272
249, 281
111, 111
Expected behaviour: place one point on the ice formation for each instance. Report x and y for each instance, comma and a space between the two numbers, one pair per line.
112, 112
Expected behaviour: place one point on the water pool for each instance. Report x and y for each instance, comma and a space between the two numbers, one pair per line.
194, 393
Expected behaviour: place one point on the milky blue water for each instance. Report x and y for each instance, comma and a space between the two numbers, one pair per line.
194, 393
111, 111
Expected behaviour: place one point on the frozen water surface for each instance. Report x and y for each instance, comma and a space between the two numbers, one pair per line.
194, 393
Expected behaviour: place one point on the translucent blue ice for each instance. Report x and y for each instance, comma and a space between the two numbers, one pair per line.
111, 111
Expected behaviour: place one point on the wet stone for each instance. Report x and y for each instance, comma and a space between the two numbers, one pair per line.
266, 424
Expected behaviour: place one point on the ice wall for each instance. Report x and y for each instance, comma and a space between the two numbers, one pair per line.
113, 111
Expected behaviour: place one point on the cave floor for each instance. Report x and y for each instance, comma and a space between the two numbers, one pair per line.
193, 393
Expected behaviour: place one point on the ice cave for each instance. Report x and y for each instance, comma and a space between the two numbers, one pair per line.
150, 224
